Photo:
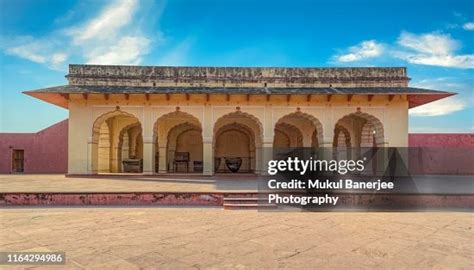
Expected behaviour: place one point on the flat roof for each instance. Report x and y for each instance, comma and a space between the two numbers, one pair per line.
240, 73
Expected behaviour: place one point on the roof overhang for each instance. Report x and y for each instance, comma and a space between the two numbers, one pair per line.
59, 95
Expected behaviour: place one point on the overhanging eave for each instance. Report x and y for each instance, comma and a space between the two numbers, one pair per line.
59, 95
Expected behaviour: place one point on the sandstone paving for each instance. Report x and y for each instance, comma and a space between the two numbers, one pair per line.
61, 183
212, 238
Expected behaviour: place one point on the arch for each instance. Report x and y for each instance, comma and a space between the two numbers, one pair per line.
342, 143
102, 118
184, 137
125, 130
175, 115
355, 123
107, 139
134, 143
249, 129
312, 129
166, 133
242, 146
255, 125
342, 137
368, 135
285, 131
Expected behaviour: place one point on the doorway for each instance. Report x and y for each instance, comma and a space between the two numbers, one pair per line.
18, 161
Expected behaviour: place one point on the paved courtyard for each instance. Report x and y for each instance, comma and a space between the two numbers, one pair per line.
125, 183
211, 238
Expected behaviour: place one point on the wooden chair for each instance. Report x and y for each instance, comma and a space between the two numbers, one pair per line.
181, 158
198, 166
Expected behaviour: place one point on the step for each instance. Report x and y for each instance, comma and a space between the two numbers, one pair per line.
247, 206
244, 199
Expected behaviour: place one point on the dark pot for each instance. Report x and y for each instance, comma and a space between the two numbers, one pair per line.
233, 164
217, 163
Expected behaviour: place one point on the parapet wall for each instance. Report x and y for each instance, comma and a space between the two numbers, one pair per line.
441, 153
236, 76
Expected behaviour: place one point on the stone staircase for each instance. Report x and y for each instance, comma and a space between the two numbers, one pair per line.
246, 202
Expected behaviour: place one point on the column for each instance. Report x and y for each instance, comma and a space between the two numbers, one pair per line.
163, 158
382, 157
328, 124
92, 149
207, 139
148, 155
208, 157
266, 153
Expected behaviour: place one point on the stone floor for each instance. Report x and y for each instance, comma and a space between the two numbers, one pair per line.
210, 238
136, 183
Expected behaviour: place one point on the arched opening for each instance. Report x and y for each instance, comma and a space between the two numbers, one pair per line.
287, 135
178, 143
368, 135
237, 141
342, 142
358, 130
117, 143
298, 129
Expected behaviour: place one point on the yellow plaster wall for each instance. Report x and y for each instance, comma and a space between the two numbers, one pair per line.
208, 110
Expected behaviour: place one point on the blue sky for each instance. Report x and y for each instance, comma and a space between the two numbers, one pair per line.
434, 39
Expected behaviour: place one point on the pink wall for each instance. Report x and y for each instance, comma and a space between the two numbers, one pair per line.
441, 140
441, 153
44, 151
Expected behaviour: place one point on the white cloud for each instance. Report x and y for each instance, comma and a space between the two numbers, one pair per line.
107, 24
127, 51
113, 36
37, 51
58, 58
440, 107
109, 38
430, 43
28, 52
432, 49
365, 49
468, 26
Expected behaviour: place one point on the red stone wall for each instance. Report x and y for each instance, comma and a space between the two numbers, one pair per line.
441, 140
44, 151
441, 153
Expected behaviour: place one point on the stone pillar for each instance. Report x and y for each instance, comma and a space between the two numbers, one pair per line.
384, 157
327, 142
258, 160
267, 155
208, 157
114, 150
163, 166
207, 139
148, 155
328, 123
265, 152
92, 149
